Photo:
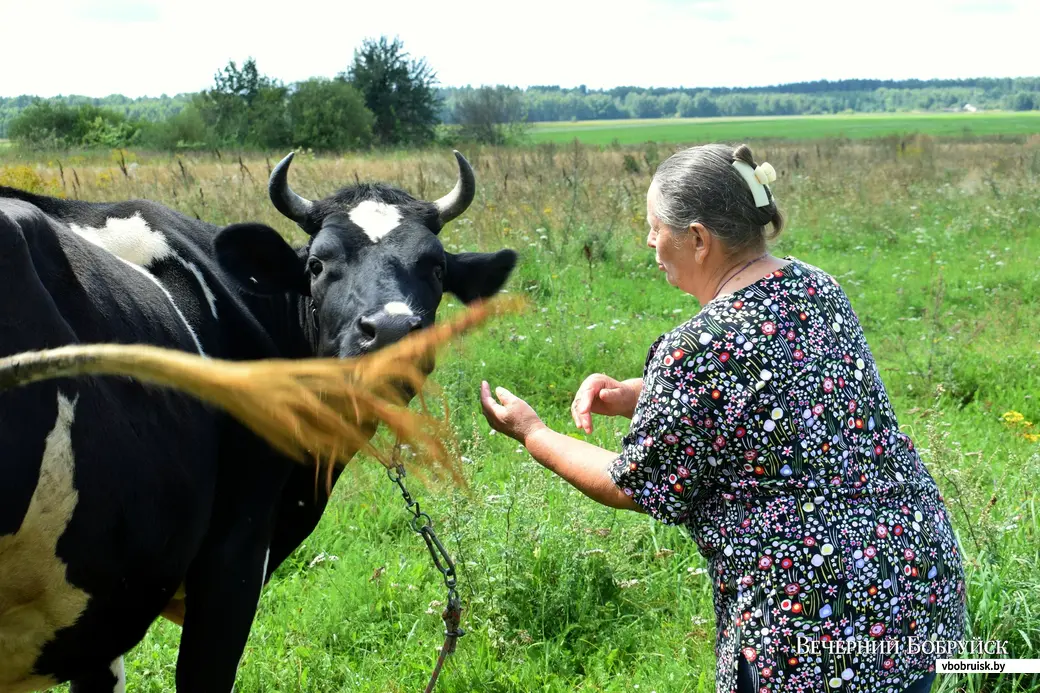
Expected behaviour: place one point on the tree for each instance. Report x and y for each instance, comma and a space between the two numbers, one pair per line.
399, 92
490, 115
245, 108
184, 130
46, 125
329, 115
1022, 101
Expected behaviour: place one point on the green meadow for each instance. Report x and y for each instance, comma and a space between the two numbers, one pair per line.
936, 242
852, 126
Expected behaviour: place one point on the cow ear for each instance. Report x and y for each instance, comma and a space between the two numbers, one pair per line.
260, 259
478, 275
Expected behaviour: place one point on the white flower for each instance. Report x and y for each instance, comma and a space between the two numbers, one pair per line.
321, 558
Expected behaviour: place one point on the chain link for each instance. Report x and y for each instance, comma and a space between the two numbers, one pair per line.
422, 524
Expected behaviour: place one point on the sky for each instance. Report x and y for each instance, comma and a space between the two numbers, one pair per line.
152, 47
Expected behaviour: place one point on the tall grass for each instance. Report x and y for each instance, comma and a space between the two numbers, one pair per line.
936, 244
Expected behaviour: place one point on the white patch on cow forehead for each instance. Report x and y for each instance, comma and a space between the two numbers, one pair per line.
398, 308
376, 219
130, 239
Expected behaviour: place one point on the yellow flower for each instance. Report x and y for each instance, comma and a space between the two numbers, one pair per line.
1032, 437
1013, 417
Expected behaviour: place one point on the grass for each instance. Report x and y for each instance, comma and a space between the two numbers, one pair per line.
854, 126
936, 244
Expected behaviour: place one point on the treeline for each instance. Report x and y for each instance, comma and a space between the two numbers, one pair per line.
808, 98
148, 108
386, 98
383, 98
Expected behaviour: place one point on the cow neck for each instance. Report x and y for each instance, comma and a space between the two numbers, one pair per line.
287, 320
307, 320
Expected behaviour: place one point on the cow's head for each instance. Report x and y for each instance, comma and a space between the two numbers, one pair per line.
373, 267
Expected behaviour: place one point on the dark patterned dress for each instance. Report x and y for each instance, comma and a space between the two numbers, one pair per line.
764, 428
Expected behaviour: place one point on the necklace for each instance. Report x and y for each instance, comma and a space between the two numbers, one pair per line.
730, 277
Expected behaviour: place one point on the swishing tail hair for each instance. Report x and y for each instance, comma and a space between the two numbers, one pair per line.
313, 410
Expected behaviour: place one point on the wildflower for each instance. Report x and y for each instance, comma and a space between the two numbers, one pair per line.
321, 558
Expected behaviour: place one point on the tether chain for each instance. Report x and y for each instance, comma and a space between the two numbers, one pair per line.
422, 525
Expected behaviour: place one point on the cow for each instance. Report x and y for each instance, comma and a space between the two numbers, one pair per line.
116, 495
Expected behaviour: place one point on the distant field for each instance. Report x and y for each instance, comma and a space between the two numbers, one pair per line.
856, 126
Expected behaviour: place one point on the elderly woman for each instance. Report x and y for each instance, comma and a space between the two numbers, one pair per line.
761, 425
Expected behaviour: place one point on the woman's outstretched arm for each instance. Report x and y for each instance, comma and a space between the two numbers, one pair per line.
584, 466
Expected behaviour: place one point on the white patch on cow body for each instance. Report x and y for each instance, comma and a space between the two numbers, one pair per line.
376, 219
150, 246
210, 298
131, 239
36, 599
169, 296
119, 671
398, 308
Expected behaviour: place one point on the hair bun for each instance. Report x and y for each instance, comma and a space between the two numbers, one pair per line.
743, 153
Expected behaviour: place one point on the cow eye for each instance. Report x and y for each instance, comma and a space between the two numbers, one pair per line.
314, 266
438, 273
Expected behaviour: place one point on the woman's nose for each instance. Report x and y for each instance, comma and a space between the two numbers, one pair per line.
651, 240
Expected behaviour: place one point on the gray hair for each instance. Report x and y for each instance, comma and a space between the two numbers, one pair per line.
700, 185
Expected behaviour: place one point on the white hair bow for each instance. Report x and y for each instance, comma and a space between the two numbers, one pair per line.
765, 173
757, 179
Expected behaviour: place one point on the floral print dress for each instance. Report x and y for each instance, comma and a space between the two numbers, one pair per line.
764, 428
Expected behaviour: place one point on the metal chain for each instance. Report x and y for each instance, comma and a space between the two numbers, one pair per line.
422, 525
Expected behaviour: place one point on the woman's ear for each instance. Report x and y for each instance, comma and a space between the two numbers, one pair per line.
701, 241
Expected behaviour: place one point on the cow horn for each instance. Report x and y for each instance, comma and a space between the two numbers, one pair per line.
455, 203
285, 200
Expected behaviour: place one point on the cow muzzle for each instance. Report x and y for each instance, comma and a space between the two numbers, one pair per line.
380, 329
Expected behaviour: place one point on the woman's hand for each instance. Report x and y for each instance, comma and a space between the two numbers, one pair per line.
601, 394
583, 465
510, 415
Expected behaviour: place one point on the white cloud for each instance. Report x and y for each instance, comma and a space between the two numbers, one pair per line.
98, 47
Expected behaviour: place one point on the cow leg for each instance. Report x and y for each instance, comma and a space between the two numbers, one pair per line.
299, 510
110, 680
223, 583
222, 591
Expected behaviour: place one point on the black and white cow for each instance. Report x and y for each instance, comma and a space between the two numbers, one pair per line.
113, 494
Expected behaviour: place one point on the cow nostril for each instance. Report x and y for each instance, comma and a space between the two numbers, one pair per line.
367, 327
414, 323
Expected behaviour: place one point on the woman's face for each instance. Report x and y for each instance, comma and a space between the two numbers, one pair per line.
675, 257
